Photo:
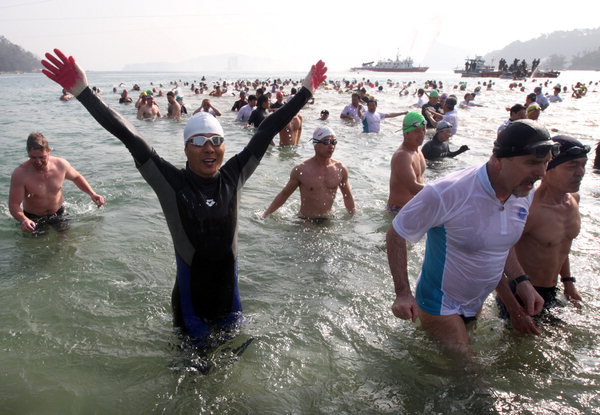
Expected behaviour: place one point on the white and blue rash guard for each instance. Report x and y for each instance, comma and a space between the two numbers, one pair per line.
469, 233
201, 214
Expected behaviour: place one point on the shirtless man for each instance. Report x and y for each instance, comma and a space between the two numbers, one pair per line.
148, 110
318, 178
543, 250
408, 163
174, 109
207, 106
37, 184
290, 135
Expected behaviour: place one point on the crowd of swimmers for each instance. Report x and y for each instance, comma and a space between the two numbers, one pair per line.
509, 250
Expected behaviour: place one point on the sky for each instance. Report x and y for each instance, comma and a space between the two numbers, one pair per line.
108, 34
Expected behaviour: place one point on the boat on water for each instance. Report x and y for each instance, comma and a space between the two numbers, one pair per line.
477, 68
389, 65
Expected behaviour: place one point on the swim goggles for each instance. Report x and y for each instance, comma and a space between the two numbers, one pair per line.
535, 149
200, 140
326, 141
576, 150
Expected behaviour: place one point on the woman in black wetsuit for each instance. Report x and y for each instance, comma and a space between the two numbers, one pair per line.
200, 202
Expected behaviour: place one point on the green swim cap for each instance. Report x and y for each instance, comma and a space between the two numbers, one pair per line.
434, 94
149, 92
412, 121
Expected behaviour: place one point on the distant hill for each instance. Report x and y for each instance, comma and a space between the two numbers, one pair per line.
575, 49
13, 58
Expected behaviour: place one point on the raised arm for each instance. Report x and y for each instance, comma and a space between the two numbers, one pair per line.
274, 123
65, 71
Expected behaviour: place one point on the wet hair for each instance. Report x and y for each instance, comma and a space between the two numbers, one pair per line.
252, 98
262, 99
37, 141
516, 108
450, 103
170, 94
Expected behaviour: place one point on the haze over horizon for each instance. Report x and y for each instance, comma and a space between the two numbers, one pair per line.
110, 35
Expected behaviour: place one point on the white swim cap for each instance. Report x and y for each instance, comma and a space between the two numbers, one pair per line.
202, 123
322, 132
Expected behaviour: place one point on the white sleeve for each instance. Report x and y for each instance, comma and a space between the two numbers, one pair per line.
424, 211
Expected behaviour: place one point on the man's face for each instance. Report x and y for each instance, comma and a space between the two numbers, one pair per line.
252, 102
444, 135
39, 158
567, 176
518, 174
325, 150
205, 160
371, 106
416, 136
434, 100
355, 100
205, 104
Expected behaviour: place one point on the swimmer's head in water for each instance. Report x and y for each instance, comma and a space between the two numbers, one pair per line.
443, 125
570, 149
412, 121
322, 132
533, 107
202, 123
522, 138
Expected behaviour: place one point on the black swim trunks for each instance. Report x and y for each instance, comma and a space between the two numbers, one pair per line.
58, 220
547, 293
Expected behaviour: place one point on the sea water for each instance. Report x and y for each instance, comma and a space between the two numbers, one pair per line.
85, 320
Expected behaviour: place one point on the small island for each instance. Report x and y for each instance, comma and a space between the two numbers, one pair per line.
15, 59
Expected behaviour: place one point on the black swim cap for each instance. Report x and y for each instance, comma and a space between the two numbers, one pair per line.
524, 137
570, 149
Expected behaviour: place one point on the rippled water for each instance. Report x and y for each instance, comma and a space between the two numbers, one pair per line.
85, 325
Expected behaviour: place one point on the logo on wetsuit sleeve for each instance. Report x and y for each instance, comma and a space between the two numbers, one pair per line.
522, 213
210, 202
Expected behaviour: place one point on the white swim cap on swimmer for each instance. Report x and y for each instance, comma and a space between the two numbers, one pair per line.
322, 132
202, 123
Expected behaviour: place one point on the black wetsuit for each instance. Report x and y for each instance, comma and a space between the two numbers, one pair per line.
237, 105
257, 117
201, 215
435, 149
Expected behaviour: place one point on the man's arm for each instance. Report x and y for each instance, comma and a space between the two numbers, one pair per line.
82, 183
520, 317
461, 150
217, 112
403, 171
259, 143
404, 306
16, 196
395, 114
65, 71
568, 284
346, 191
285, 193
